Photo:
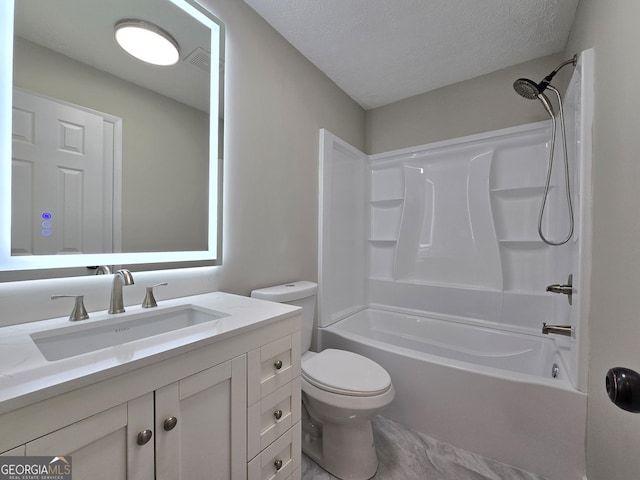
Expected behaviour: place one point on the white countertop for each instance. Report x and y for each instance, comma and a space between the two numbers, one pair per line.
27, 377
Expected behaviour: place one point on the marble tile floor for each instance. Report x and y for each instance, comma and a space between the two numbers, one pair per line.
407, 455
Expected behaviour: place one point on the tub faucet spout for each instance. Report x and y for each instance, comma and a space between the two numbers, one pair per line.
121, 278
557, 329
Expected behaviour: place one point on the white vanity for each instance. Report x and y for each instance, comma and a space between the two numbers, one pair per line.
218, 399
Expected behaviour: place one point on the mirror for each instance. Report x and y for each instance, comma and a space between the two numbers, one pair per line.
107, 160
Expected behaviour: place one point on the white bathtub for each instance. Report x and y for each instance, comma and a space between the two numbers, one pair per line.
486, 390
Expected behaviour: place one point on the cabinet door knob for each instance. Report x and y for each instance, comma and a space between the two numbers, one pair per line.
170, 423
144, 437
278, 464
277, 414
277, 364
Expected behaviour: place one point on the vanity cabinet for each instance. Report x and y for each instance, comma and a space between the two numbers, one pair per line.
185, 430
199, 424
101, 446
185, 416
274, 396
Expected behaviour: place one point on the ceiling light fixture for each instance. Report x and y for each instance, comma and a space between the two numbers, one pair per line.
147, 42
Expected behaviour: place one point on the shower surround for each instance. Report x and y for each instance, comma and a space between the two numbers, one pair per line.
449, 231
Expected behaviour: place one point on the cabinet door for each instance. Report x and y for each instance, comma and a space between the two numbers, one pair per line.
207, 439
101, 445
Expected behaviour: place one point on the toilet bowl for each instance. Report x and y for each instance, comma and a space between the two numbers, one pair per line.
341, 392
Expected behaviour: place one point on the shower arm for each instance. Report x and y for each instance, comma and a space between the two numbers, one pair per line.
547, 80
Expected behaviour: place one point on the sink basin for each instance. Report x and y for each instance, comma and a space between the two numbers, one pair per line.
78, 339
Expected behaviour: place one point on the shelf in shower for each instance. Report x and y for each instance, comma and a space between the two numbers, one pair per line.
532, 293
383, 241
524, 244
387, 202
519, 192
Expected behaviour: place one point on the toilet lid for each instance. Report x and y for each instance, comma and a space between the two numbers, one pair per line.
346, 373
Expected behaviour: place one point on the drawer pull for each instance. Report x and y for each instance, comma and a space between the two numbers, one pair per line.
277, 414
277, 464
170, 423
144, 437
277, 364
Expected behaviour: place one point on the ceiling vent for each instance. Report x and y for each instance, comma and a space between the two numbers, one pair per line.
200, 58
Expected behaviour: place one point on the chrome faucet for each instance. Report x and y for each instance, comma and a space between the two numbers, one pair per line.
121, 278
557, 329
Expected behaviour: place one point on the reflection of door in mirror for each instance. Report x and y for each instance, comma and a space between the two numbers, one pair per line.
62, 178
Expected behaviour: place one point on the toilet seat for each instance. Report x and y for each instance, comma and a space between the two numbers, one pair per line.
345, 373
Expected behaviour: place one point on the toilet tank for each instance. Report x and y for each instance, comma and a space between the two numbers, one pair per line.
301, 294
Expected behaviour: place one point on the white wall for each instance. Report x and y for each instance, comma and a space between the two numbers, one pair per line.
613, 435
276, 102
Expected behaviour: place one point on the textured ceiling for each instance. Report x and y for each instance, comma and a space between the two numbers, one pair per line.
381, 51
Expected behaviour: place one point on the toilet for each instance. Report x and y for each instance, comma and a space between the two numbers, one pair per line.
341, 392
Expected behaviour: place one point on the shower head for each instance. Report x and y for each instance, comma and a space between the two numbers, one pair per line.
527, 88
531, 90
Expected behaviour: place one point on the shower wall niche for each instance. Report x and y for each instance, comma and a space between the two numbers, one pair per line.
451, 228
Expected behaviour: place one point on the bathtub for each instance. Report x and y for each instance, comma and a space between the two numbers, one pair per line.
502, 394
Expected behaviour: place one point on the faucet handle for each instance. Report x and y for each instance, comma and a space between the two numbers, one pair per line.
149, 300
78, 312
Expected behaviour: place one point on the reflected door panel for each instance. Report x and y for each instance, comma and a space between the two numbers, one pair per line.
59, 179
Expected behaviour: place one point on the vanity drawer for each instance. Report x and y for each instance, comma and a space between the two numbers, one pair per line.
272, 416
272, 366
281, 459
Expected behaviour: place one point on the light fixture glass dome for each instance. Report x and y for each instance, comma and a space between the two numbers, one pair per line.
147, 42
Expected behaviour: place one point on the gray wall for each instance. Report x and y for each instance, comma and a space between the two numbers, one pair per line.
478, 105
275, 104
613, 435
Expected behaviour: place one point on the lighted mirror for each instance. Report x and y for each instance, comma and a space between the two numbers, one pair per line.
107, 159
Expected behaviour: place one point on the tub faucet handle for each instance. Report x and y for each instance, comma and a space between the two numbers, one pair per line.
566, 289
78, 312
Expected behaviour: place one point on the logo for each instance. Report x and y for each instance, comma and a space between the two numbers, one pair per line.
35, 468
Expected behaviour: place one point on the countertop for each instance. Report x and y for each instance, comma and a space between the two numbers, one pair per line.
27, 377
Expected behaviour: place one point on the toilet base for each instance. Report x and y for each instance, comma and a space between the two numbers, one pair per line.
347, 451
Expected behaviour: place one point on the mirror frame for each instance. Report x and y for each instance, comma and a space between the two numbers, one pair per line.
38, 262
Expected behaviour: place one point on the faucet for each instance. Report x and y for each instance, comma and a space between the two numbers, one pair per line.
121, 278
557, 329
